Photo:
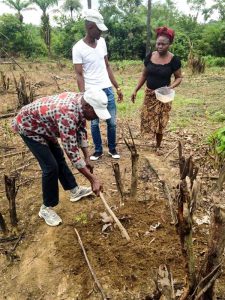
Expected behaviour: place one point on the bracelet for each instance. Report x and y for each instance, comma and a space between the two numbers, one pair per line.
118, 89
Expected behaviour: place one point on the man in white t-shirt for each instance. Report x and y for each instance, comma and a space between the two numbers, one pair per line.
93, 71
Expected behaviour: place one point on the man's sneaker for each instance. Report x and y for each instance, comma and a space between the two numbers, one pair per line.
79, 192
49, 215
96, 155
114, 154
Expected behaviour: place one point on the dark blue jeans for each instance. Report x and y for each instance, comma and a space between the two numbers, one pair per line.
111, 124
54, 167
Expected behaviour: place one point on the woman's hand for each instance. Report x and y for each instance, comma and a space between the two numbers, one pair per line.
133, 96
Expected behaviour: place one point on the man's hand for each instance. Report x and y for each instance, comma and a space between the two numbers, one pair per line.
120, 95
96, 187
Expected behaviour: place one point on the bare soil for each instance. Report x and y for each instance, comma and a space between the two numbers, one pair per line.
48, 263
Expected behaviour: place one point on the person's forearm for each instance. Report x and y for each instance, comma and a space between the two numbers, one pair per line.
80, 83
176, 82
85, 152
140, 83
111, 77
86, 172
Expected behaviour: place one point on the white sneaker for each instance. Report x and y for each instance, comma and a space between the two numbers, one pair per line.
49, 215
114, 154
79, 192
96, 156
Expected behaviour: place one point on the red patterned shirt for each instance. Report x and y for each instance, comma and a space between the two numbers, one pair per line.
52, 117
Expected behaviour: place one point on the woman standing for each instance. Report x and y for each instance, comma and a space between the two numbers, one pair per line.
159, 66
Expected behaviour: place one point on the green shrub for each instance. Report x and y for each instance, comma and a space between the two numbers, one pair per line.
212, 61
217, 145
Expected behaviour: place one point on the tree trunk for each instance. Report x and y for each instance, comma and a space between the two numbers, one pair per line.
148, 47
89, 3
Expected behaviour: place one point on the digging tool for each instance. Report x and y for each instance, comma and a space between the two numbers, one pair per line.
122, 229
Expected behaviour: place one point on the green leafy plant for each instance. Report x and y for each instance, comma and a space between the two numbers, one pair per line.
81, 218
217, 145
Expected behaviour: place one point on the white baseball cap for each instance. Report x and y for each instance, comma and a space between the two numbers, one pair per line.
99, 101
94, 16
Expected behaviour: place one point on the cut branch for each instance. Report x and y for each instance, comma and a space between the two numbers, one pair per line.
11, 192
119, 183
134, 159
3, 227
122, 229
90, 267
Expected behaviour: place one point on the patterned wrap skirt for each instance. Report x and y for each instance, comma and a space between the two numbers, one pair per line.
154, 114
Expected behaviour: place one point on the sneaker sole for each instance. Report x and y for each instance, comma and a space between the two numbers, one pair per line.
78, 198
60, 222
95, 158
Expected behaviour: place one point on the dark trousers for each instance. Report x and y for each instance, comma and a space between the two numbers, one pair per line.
53, 165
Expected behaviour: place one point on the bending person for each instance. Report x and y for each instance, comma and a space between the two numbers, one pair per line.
159, 66
63, 116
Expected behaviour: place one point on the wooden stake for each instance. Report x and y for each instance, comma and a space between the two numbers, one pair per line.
119, 183
11, 192
90, 267
221, 179
134, 161
3, 227
122, 229
186, 207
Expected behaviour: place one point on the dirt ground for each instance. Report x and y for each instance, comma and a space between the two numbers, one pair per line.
48, 263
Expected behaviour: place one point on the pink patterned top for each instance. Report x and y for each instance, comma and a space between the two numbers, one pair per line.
52, 117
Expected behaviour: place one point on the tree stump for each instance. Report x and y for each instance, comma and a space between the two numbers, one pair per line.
134, 161
11, 192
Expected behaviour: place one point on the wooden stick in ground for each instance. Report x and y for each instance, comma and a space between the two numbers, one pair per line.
11, 192
221, 179
134, 160
215, 252
3, 227
122, 229
90, 267
119, 183
170, 200
186, 207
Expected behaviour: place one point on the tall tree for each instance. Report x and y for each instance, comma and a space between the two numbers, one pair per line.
45, 27
196, 6
219, 6
89, 3
72, 5
148, 39
18, 5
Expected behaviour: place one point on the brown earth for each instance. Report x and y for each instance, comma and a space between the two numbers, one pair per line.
48, 263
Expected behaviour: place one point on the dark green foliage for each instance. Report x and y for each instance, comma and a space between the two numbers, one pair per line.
64, 38
17, 38
126, 38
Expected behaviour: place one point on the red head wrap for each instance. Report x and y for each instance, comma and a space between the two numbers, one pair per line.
165, 31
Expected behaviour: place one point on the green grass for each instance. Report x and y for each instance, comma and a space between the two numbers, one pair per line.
216, 116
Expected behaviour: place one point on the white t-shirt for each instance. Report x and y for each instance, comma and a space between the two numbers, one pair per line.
93, 61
